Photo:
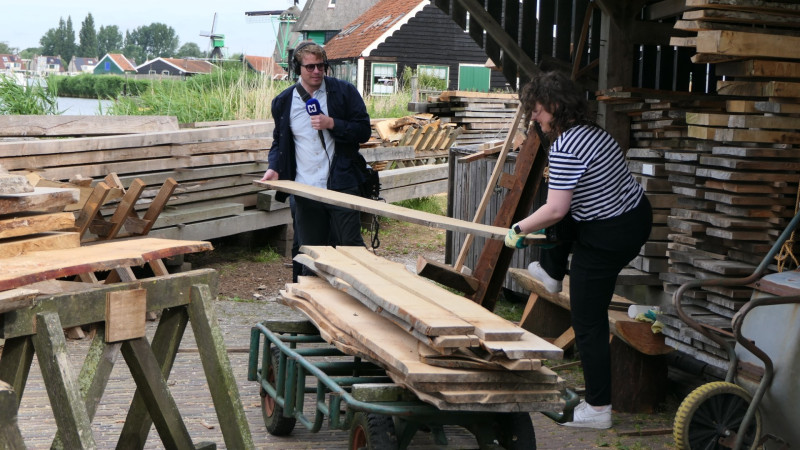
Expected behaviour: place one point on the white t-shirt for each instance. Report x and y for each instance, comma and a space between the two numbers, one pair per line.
313, 164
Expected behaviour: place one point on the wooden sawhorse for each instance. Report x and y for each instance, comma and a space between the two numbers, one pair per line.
181, 298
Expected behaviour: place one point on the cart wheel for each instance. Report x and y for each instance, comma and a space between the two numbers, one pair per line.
372, 432
514, 431
277, 424
710, 413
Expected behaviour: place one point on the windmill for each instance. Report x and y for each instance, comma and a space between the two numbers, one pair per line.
216, 40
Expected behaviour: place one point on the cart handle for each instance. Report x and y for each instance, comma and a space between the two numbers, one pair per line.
571, 398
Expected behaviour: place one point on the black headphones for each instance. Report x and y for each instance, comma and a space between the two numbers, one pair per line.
296, 62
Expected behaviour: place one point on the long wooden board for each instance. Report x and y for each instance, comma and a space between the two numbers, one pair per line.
749, 45
84, 125
488, 326
40, 198
39, 266
429, 319
388, 210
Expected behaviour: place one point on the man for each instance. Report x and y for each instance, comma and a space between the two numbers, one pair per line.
320, 150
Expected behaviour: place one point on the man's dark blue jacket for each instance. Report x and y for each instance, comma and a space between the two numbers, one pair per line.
351, 127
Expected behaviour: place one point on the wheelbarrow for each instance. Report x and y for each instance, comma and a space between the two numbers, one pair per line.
757, 404
357, 395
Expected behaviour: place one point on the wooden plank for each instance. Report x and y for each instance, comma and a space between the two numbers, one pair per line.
38, 242
16, 299
84, 125
39, 199
488, 326
759, 68
748, 45
63, 390
388, 210
27, 224
217, 369
10, 436
446, 275
740, 17
428, 319
38, 266
13, 184
150, 383
747, 5
125, 315
183, 136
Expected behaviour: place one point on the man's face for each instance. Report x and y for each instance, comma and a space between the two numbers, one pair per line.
312, 76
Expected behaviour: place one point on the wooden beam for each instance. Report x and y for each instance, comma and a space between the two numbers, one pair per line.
478, 13
388, 210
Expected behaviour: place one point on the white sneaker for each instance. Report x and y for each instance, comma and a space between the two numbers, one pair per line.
585, 416
552, 285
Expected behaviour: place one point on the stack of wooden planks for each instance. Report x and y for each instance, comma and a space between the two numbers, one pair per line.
483, 116
31, 221
734, 169
448, 350
428, 136
213, 163
662, 158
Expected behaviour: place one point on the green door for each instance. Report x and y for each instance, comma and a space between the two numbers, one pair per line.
473, 78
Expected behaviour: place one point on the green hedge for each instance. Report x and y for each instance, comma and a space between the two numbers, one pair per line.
98, 86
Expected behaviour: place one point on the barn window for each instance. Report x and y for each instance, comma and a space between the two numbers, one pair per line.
384, 79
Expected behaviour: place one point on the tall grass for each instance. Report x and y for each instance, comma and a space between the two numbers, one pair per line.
231, 93
33, 99
226, 94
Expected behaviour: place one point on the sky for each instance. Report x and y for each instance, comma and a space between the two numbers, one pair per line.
25, 22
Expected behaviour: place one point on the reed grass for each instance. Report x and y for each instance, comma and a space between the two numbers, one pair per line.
27, 100
231, 93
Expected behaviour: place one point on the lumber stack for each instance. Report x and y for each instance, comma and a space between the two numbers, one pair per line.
483, 116
448, 350
662, 158
33, 220
737, 185
430, 138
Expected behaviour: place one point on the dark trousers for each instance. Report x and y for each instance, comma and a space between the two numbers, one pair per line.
317, 223
602, 248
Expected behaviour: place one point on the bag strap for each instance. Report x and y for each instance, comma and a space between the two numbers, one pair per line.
302, 91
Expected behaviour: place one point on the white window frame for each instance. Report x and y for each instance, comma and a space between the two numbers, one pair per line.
390, 85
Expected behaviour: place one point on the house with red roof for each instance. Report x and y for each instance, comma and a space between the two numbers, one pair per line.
114, 63
175, 67
266, 66
373, 50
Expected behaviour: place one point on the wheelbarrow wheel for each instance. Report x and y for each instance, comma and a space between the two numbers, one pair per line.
514, 431
714, 411
277, 424
372, 432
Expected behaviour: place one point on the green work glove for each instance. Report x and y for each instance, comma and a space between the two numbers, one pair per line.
514, 239
544, 246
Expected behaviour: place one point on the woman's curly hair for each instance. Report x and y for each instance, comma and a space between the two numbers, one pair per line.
559, 96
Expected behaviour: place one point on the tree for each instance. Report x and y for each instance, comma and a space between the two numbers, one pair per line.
109, 40
133, 51
59, 41
88, 38
190, 50
69, 46
155, 40
5, 49
30, 52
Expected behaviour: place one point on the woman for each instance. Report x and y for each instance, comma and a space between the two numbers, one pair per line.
592, 194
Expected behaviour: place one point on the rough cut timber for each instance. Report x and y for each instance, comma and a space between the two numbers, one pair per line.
13, 184
356, 330
39, 266
39, 199
387, 210
11, 125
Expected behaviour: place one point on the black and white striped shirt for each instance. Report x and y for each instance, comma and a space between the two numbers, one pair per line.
587, 160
